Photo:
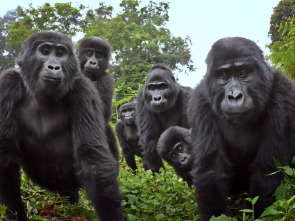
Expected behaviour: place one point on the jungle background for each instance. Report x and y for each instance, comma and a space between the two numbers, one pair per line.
139, 39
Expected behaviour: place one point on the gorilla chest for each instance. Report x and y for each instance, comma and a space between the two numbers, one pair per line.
131, 133
170, 118
41, 120
241, 144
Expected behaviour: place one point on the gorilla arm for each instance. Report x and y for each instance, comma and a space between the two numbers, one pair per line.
11, 89
96, 164
126, 149
206, 147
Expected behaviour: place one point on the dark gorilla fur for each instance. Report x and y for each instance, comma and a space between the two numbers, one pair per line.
127, 133
161, 103
94, 55
242, 116
51, 124
174, 146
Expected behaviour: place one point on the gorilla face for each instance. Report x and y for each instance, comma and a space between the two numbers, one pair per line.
180, 156
127, 113
94, 55
161, 90
237, 79
237, 105
48, 65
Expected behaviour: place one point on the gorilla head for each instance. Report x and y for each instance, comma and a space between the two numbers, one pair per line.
235, 71
174, 146
94, 54
48, 64
127, 112
161, 89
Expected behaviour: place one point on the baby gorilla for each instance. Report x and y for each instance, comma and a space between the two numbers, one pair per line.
174, 146
127, 133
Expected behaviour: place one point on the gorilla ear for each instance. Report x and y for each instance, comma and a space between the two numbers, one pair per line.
20, 59
173, 78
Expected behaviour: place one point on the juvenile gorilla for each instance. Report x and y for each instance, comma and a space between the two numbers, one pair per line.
94, 55
51, 124
127, 133
161, 103
174, 146
242, 116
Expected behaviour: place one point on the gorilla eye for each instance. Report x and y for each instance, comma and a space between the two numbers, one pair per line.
60, 52
89, 53
99, 55
179, 148
151, 87
244, 73
173, 155
224, 75
45, 50
162, 86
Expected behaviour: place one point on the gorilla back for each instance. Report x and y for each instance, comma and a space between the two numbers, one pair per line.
51, 123
242, 116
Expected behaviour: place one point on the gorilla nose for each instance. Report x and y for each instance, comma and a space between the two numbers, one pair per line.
158, 98
54, 67
92, 62
235, 97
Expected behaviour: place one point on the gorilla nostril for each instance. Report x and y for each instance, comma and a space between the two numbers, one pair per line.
157, 98
56, 68
240, 96
92, 62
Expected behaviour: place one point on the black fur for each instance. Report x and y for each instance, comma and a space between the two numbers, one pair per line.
180, 159
51, 124
95, 68
127, 134
152, 122
237, 130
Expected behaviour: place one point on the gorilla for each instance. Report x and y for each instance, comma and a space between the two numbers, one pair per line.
242, 117
94, 54
174, 146
161, 103
52, 124
127, 133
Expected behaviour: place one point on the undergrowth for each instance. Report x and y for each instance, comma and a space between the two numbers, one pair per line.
162, 196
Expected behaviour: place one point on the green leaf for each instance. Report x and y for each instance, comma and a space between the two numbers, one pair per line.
288, 170
247, 210
254, 200
281, 192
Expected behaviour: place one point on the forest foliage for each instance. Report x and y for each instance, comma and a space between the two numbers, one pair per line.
282, 34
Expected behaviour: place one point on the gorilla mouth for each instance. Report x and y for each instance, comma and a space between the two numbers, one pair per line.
52, 79
91, 67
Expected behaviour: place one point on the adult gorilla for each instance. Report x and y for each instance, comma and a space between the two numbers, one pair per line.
94, 54
51, 124
174, 146
161, 103
242, 117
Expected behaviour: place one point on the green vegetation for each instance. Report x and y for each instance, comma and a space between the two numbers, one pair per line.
162, 196
282, 33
